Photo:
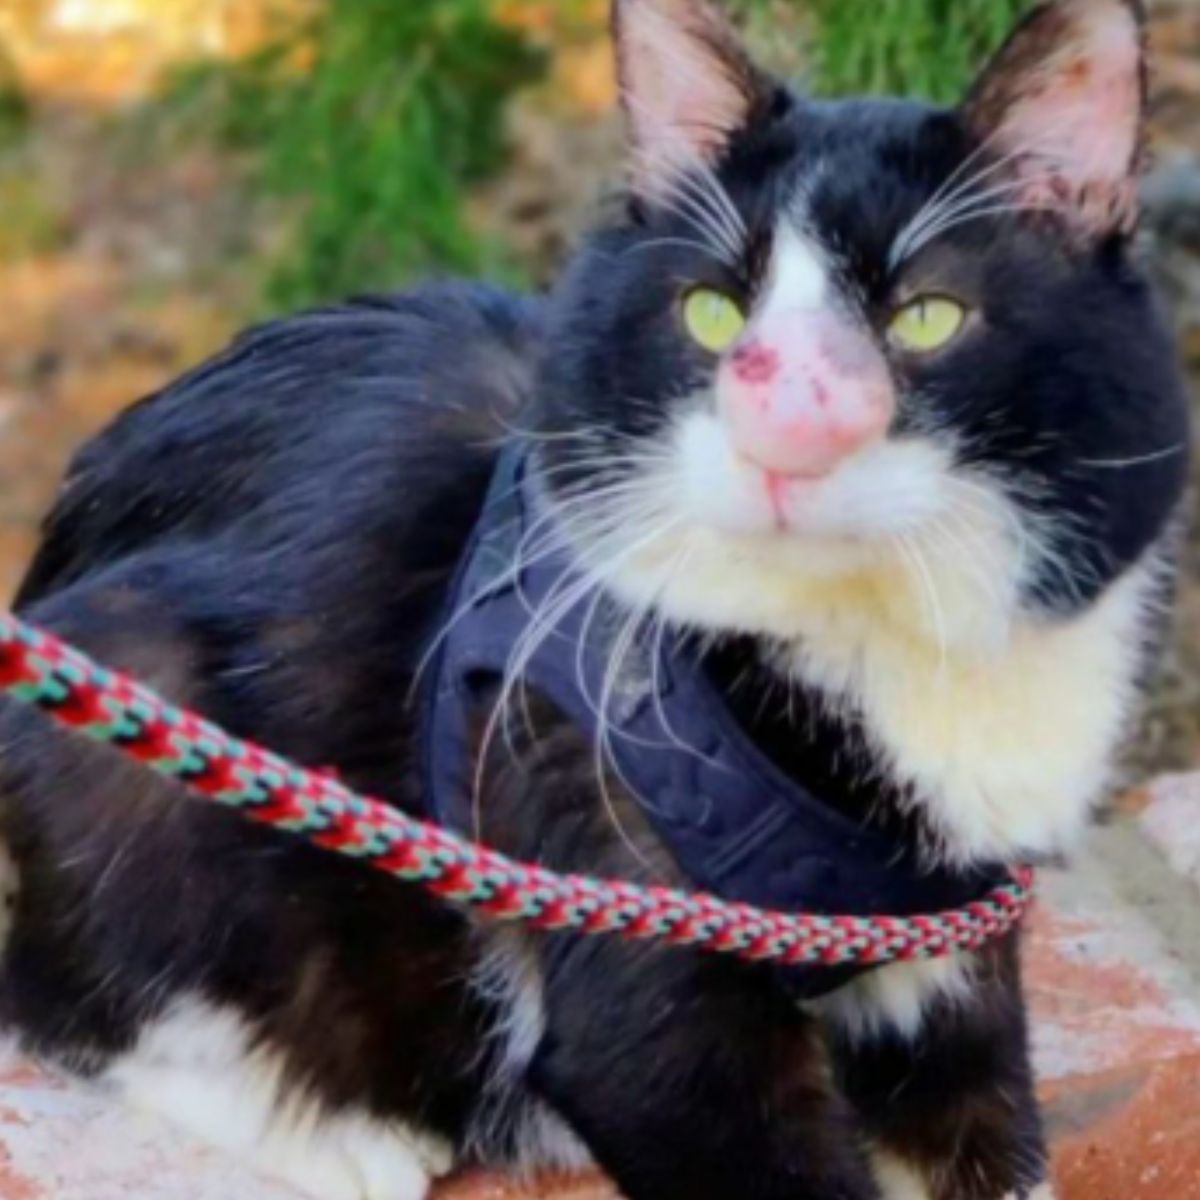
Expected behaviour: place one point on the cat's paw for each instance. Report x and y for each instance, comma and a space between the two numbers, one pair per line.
197, 1069
348, 1160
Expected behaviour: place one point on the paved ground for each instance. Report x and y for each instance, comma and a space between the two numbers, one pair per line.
1114, 961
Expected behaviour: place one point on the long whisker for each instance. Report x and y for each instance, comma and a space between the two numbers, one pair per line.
710, 182
994, 211
975, 199
1122, 464
936, 612
971, 495
946, 196
529, 552
949, 182
678, 568
657, 243
553, 610
698, 205
717, 240
711, 194
957, 552
942, 199
603, 749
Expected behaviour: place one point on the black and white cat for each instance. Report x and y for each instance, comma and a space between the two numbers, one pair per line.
866, 406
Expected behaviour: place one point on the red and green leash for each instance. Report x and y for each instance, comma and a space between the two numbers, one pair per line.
106, 706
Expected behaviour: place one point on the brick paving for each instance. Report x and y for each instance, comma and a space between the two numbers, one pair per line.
1113, 956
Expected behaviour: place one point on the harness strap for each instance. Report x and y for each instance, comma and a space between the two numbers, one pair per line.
736, 825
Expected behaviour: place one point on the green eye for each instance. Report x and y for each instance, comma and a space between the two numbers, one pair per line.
714, 319
927, 324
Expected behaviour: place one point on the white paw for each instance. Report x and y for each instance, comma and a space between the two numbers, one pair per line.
346, 1160
197, 1069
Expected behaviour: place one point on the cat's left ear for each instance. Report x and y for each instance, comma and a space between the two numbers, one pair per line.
1063, 104
687, 85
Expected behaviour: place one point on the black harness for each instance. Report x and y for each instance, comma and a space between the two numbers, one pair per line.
735, 823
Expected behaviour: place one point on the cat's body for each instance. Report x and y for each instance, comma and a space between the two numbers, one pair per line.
932, 601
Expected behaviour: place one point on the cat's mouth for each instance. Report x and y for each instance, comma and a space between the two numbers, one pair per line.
785, 492
888, 489
896, 533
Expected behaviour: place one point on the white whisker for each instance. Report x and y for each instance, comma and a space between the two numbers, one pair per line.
914, 235
1121, 464
935, 612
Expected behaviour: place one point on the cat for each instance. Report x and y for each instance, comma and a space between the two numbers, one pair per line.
858, 416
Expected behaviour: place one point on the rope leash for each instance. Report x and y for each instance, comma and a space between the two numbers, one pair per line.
38, 669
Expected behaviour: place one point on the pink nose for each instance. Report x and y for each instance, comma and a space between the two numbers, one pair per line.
805, 392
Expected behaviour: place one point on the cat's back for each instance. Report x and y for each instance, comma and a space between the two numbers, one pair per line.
281, 524
375, 419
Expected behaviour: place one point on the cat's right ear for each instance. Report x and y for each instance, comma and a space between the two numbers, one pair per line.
687, 85
1063, 108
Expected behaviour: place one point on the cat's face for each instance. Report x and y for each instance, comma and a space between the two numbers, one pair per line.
868, 352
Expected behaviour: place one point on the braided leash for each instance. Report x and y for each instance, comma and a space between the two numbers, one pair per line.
39, 669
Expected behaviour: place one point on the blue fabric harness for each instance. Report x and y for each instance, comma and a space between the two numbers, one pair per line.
735, 823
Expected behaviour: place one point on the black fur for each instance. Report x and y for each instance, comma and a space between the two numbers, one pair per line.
269, 539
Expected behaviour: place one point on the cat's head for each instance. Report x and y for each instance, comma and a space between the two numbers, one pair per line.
868, 353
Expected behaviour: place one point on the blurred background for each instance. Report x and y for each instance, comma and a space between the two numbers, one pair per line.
172, 169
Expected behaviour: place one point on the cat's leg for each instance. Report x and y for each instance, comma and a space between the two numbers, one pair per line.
291, 1007
686, 1076
693, 1080
935, 1058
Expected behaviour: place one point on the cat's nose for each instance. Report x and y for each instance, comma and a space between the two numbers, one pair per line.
799, 396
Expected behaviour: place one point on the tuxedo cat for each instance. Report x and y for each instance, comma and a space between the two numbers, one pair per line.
860, 421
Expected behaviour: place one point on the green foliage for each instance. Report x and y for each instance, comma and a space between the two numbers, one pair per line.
780, 32
34, 221
32, 215
400, 111
14, 105
925, 48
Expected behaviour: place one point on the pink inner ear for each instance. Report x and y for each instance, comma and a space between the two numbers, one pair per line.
683, 87
1075, 118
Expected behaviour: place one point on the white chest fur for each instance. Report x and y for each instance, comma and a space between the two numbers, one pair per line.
1004, 751
1006, 755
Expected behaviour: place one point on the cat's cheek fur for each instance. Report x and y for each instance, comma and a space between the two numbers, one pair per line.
198, 1067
